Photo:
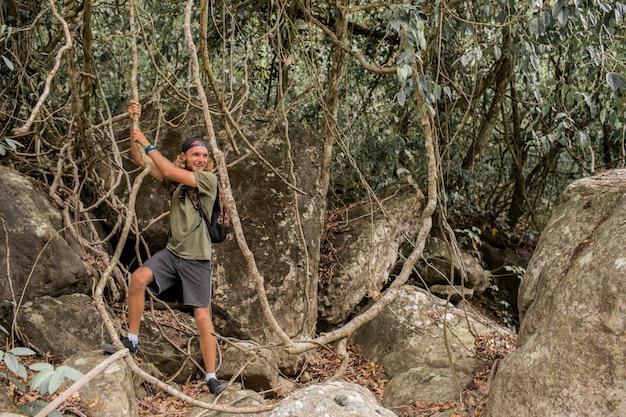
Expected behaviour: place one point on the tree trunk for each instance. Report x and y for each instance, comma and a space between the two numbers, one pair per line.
503, 76
518, 160
329, 119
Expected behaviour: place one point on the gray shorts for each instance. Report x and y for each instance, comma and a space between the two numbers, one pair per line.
194, 277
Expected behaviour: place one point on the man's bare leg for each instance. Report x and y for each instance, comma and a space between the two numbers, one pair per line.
208, 347
139, 281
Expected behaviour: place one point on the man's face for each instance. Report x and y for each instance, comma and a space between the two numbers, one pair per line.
196, 158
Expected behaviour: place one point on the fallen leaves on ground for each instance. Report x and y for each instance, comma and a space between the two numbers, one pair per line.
490, 348
163, 404
360, 370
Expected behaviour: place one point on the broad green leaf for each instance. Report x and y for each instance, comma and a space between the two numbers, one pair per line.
8, 63
497, 52
404, 72
11, 361
43, 388
401, 97
421, 40
437, 91
560, 12
2, 329
534, 61
55, 381
32, 407
41, 366
536, 26
616, 81
39, 379
14, 365
22, 351
400, 172
19, 385
582, 139
13, 144
71, 373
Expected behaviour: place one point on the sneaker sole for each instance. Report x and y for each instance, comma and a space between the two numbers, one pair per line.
221, 388
109, 348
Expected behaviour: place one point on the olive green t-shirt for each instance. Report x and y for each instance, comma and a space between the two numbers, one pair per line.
189, 234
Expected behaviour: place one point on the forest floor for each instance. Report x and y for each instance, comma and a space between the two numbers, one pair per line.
471, 403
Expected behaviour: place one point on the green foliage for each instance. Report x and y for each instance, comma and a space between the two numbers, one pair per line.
472, 235
10, 359
5, 34
505, 308
34, 407
47, 381
10, 144
561, 117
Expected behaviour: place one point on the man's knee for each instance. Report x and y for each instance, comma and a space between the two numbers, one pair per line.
203, 320
140, 279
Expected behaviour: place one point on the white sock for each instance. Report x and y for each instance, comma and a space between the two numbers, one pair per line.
210, 375
133, 338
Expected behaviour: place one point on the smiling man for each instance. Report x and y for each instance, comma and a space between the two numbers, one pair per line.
187, 256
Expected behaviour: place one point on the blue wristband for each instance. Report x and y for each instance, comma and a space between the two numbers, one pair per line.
150, 147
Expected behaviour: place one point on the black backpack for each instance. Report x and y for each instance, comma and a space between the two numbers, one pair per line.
219, 225
220, 219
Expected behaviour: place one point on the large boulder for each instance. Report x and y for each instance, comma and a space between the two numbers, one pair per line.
62, 326
413, 339
570, 358
42, 259
331, 399
111, 393
365, 249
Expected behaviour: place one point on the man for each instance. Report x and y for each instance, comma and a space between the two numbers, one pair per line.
187, 256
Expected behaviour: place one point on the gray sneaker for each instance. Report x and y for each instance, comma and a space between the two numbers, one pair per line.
109, 348
216, 387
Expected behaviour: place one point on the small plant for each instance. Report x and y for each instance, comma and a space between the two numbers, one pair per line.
10, 144
470, 237
47, 381
516, 270
504, 306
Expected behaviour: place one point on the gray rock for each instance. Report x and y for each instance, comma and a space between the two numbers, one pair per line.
367, 250
331, 399
256, 367
424, 384
109, 394
61, 326
570, 358
409, 333
44, 260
